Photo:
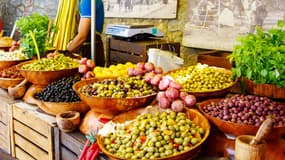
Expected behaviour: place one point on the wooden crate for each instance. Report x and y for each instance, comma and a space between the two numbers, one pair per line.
215, 58
122, 51
68, 146
32, 133
5, 103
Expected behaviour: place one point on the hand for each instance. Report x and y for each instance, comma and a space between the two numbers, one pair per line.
69, 44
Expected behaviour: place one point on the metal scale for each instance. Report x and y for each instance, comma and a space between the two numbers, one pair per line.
133, 32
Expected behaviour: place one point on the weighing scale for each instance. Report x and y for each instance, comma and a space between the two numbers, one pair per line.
133, 32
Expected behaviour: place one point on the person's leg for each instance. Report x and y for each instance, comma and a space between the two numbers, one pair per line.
99, 52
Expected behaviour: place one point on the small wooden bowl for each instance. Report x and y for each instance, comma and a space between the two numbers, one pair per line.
10, 82
43, 78
68, 121
192, 114
9, 63
236, 129
111, 106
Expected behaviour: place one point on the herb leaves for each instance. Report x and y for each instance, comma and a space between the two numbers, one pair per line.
261, 56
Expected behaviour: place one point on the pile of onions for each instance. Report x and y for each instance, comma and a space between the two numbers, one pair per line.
143, 68
170, 95
247, 109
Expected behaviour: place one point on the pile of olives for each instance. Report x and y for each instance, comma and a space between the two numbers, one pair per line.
202, 78
247, 109
58, 62
12, 56
59, 91
122, 87
10, 72
157, 135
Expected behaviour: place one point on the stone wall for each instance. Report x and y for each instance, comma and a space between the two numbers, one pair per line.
172, 29
11, 10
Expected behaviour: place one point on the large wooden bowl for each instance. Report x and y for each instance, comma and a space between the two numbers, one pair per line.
192, 114
111, 106
10, 82
267, 90
235, 129
54, 108
43, 78
210, 93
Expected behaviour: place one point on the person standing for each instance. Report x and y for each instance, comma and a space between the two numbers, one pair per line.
81, 41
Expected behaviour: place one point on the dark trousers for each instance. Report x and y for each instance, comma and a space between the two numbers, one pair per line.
99, 51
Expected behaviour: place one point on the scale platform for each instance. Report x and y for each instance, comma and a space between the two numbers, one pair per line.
133, 32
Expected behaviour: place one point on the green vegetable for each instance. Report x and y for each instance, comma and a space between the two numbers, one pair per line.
38, 24
261, 57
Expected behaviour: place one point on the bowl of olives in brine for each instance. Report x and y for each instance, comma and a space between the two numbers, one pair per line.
204, 81
47, 70
154, 133
112, 96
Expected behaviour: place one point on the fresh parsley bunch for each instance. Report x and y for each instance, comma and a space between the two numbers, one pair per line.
38, 24
260, 57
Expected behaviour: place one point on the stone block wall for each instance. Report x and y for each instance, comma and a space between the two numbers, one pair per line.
11, 10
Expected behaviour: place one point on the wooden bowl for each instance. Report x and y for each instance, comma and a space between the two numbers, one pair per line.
54, 108
235, 129
9, 63
111, 106
267, 90
68, 121
59, 107
192, 114
210, 93
43, 78
10, 82
5, 48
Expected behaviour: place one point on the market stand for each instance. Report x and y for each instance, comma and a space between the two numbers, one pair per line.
35, 135
60, 145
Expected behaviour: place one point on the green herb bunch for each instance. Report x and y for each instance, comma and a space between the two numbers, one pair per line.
38, 24
260, 57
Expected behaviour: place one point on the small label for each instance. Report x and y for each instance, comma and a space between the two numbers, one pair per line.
154, 30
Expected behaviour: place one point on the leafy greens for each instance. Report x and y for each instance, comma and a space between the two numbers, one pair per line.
38, 24
261, 56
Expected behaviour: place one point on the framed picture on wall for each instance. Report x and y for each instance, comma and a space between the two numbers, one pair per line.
216, 24
160, 9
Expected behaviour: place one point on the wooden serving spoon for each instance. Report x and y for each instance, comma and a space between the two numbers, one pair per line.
19, 90
263, 131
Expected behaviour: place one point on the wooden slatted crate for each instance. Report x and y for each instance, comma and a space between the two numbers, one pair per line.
5, 134
68, 146
122, 51
32, 133
215, 58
